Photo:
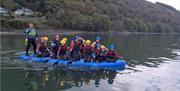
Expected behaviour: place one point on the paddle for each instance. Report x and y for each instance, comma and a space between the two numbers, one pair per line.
69, 62
57, 61
46, 61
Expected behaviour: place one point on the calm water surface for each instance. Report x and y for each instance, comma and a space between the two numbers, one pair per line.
153, 65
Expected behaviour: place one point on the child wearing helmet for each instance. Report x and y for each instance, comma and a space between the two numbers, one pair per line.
55, 46
65, 39
112, 55
98, 38
103, 53
87, 51
76, 48
100, 53
62, 51
97, 51
42, 48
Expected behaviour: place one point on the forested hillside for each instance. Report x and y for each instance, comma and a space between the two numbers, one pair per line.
99, 15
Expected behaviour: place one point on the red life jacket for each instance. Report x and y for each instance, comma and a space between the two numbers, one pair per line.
63, 47
87, 48
42, 47
111, 53
97, 51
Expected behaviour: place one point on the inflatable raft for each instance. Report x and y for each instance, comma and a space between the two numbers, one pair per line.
118, 63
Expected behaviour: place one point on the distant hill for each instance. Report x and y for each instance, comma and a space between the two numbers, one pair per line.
103, 15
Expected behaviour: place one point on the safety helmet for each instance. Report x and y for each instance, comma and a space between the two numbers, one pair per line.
76, 37
46, 38
88, 42
63, 42
65, 39
98, 38
112, 46
103, 46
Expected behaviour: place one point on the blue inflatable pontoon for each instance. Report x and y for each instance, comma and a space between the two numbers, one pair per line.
118, 63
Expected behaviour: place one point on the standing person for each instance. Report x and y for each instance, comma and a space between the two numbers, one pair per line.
31, 37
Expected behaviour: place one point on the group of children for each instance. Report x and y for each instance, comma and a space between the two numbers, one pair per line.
79, 48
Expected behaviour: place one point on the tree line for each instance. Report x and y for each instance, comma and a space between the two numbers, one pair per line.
102, 15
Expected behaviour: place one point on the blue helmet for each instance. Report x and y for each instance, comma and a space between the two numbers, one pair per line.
112, 46
98, 38
75, 37
98, 45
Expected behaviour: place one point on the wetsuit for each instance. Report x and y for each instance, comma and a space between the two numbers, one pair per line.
63, 51
55, 47
87, 52
43, 50
112, 55
76, 50
102, 55
97, 54
31, 36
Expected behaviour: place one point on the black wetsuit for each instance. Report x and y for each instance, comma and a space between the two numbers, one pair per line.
31, 36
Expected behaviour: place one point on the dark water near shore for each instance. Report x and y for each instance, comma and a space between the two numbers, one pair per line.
153, 65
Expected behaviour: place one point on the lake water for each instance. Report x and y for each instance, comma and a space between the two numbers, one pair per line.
153, 65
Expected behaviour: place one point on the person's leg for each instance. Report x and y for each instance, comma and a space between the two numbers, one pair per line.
28, 46
34, 45
47, 54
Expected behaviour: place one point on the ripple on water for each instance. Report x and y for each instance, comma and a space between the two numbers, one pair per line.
176, 51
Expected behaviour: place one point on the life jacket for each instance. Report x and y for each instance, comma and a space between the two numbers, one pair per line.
103, 52
31, 33
56, 42
77, 46
42, 47
94, 43
63, 47
97, 51
87, 48
72, 45
111, 53
56, 46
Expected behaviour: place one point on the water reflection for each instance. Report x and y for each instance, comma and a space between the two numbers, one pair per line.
59, 79
148, 57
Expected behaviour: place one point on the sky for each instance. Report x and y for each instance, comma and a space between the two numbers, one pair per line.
173, 3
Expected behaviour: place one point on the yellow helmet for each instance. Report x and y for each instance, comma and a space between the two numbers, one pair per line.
63, 42
88, 42
64, 39
46, 38
103, 46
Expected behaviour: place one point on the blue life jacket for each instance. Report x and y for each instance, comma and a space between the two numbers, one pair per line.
30, 33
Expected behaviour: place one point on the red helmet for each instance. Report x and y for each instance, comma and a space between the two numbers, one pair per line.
56, 36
